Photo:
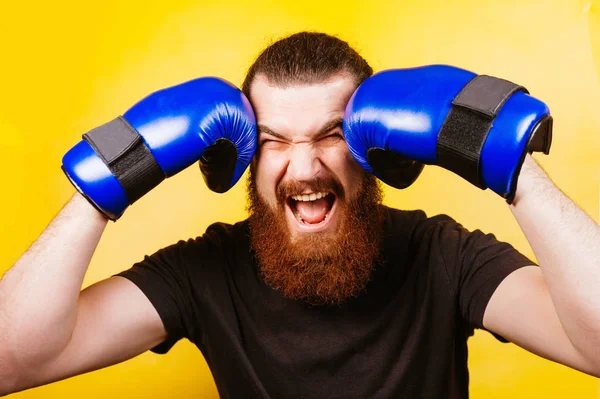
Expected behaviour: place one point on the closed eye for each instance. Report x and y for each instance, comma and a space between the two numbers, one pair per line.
332, 138
271, 143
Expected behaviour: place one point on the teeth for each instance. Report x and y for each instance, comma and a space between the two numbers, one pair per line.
309, 197
297, 214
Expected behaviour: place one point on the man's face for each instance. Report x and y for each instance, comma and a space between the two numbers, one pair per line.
302, 152
315, 219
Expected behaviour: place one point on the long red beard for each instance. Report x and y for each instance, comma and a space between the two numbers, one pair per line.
318, 268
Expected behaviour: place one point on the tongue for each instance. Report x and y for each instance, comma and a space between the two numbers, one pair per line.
313, 211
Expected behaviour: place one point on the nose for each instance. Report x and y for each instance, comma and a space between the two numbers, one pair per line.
305, 163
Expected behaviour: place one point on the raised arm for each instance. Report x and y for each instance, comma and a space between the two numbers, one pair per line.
553, 310
48, 330
484, 129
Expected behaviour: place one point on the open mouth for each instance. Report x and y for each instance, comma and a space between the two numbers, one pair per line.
312, 210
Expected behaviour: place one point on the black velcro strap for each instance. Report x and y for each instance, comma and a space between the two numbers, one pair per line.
122, 149
486, 94
468, 123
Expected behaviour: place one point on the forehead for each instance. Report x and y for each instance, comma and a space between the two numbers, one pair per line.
300, 110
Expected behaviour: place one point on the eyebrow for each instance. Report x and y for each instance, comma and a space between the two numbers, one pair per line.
327, 127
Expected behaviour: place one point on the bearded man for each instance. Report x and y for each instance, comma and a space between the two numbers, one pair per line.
323, 292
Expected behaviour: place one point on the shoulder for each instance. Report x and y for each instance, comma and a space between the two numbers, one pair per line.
438, 238
416, 224
224, 233
218, 238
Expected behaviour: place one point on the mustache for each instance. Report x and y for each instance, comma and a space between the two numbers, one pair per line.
318, 269
292, 187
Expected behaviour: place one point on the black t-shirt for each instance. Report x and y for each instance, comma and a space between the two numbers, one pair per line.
405, 337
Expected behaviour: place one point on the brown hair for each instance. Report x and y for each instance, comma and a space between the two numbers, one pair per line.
307, 57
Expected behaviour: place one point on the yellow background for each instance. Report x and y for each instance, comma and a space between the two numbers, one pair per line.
68, 67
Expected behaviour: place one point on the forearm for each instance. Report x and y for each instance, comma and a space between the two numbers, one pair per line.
566, 243
39, 294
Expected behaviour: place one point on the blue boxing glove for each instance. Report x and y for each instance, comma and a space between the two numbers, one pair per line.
206, 120
477, 126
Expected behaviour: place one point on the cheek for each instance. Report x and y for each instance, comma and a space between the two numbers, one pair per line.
346, 169
354, 166
342, 163
270, 167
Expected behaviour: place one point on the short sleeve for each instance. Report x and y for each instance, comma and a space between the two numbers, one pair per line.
166, 279
476, 264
